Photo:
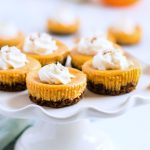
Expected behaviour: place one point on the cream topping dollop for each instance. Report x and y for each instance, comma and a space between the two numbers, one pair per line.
55, 74
110, 60
92, 45
93, 32
39, 43
8, 30
65, 16
12, 57
126, 25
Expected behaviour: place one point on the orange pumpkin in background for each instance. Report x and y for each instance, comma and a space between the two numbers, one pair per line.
119, 2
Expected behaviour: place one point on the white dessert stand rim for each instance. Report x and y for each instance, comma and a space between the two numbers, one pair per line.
132, 101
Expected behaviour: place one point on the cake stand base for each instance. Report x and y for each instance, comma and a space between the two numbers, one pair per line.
81, 135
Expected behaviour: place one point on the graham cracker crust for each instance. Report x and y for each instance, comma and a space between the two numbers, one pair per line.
51, 103
13, 87
101, 89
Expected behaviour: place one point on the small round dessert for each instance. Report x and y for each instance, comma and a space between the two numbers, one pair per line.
86, 48
62, 29
9, 35
111, 73
44, 48
14, 67
126, 32
56, 86
63, 22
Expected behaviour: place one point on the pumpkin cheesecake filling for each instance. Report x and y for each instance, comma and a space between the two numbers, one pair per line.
14, 67
44, 48
56, 86
111, 73
78, 59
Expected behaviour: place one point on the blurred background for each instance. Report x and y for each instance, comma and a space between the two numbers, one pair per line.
31, 15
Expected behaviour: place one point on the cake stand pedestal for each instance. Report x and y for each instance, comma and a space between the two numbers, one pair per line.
79, 135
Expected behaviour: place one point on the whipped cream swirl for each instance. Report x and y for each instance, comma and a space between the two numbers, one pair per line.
93, 32
126, 25
11, 57
110, 60
39, 43
65, 16
55, 74
92, 45
8, 30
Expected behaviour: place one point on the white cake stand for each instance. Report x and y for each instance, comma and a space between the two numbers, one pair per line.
69, 128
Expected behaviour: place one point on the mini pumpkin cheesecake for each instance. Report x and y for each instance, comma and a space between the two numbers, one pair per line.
63, 22
44, 48
87, 47
56, 86
126, 32
9, 35
14, 67
112, 73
